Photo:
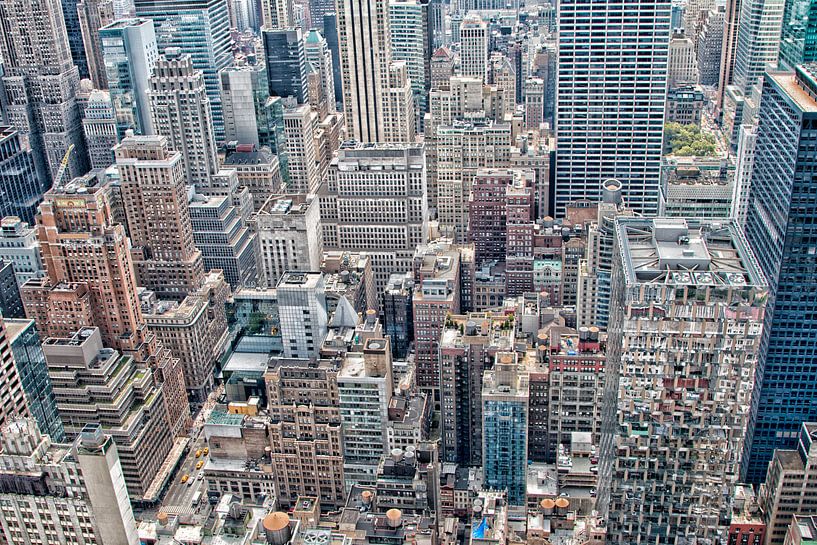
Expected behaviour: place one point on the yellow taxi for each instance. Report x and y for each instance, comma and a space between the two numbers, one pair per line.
185, 478
206, 451
199, 464
198, 453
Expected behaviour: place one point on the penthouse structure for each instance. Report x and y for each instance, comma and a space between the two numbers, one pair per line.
687, 309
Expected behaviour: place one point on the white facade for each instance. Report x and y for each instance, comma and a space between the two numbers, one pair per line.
758, 40
289, 236
300, 124
19, 244
302, 311
474, 47
743, 172
683, 64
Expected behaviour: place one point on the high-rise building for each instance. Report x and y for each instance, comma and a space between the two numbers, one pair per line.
201, 29
375, 202
365, 389
19, 246
90, 282
365, 63
799, 33
605, 129
130, 54
195, 331
744, 163
248, 116
505, 397
88, 381
319, 56
11, 305
789, 486
330, 32
683, 64
409, 43
41, 82
686, 315
302, 311
286, 63
12, 394
396, 314
305, 433
180, 110
474, 41
783, 156
729, 46
710, 46
99, 126
26, 347
225, 241
289, 239
93, 15
20, 188
300, 126
758, 43
154, 195
436, 295
468, 347
63, 493
259, 170
277, 14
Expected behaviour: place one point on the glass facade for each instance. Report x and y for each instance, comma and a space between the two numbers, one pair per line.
286, 63
200, 28
781, 226
505, 450
20, 188
71, 17
798, 38
33, 371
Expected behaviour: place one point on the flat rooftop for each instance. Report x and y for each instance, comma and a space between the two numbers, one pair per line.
680, 252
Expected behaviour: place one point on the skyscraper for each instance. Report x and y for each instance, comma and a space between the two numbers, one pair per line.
74, 31
41, 83
20, 188
201, 29
365, 58
686, 317
93, 15
277, 14
300, 126
728, 48
777, 227
286, 63
180, 110
245, 98
155, 200
88, 380
607, 127
799, 33
90, 282
409, 33
99, 125
130, 54
375, 202
12, 395
302, 308
474, 47
318, 54
758, 41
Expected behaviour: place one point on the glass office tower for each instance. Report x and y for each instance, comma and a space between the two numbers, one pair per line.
781, 226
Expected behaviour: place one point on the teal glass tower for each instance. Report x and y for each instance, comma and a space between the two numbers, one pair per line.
505, 395
798, 37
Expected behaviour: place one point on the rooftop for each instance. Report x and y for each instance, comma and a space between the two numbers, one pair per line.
698, 252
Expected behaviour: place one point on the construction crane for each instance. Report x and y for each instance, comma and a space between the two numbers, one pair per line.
63, 166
